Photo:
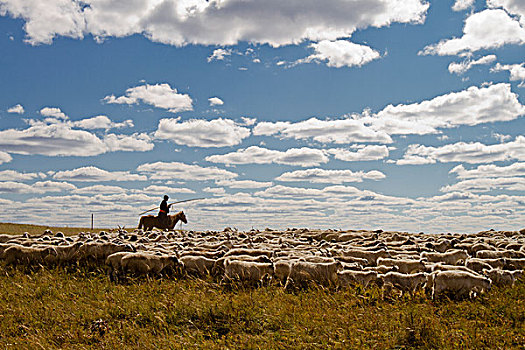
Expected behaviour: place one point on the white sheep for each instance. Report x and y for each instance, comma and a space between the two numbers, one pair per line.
451, 257
403, 282
478, 264
197, 265
17, 254
351, 278
247, 271
144, 263
502, 278
303, 272
403, 265
459, 283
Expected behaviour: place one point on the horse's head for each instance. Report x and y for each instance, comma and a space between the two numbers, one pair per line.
182, 217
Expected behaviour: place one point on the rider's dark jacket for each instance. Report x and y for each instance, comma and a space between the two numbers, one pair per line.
164, 208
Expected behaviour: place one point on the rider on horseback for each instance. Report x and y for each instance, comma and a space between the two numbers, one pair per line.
164, 210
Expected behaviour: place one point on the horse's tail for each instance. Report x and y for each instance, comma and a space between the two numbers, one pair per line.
141, 222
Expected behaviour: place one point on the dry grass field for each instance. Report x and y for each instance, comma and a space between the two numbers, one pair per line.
79, 308
18, 229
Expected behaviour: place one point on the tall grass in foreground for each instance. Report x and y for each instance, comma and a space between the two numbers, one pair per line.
76, 309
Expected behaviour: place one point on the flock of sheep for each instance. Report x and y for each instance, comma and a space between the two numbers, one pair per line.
459, 265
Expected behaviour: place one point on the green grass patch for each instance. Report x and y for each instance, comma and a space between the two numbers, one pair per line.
82, 309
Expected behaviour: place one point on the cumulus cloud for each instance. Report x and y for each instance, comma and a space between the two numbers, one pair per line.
100, 189
54, 137
244, 184
491, 28
257, 155
101, 122
202, 133
215, 101
490, 170
128, 143
18, 109
182, 171
94, 174
340, 53
13, 175
37, 187
219, 54
517, 71
473, 106
474, 152
461, 5
155, 189
462, 67
330, 176
54, 112
210, 23
5, 157
158, 95
515, 7
487, 184
361, 153
346, 130
216, 191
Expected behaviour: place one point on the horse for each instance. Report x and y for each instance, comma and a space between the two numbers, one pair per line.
150, 221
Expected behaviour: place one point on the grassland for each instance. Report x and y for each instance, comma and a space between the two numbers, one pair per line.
77, 308
18, 229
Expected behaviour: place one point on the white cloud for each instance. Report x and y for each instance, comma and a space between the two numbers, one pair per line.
337, 131
472, 106
245, 184
248, 121
53, 137
474, 152
101, 122
257, 155
516, 7
517, 71
219, 54
51, 140
461, 5
483, 30
490, 170
215, 190
155, 189
53, 112
13, 175
462, 67
330, 176
100, 189
363, 153
5, 157
215, 101
487, 184
46, 19
129, 143
37, 187
202, 133
18, 109
340, 53
94, 174
158, 95
210, 23
188, 172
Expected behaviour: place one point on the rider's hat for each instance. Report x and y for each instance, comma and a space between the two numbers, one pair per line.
166, 197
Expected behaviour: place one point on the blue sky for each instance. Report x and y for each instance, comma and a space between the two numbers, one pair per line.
401, 115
